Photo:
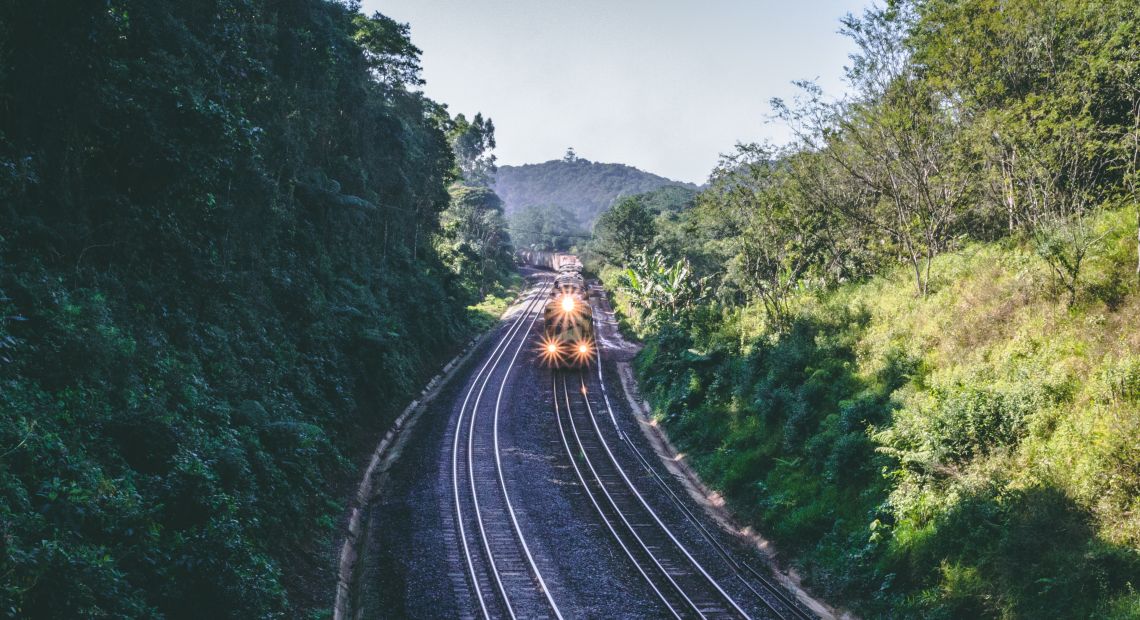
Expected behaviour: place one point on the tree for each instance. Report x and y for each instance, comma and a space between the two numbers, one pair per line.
547, 228
474, 237
388, 51
770, 236
1131, 163
1016, 73
473, 142
662, 290
1063, 175
896, 142
624, 230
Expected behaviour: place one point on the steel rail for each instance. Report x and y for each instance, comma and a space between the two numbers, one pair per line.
471, 463
721, 550
495, 356
669, 533
499, 470
597, 506
734, 564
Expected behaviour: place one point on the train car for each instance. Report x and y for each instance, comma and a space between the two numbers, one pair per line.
567, 262
536, 258
554, 261
568, 332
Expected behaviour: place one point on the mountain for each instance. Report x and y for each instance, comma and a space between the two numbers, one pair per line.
583, 187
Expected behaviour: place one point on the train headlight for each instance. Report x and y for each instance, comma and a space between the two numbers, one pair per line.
583, 349
567, 303
549, 350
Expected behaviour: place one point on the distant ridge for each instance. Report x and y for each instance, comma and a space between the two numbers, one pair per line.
583, 187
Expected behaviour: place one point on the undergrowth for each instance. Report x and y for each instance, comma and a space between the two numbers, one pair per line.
970, 453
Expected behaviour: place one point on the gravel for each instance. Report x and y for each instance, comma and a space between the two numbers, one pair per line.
413, 564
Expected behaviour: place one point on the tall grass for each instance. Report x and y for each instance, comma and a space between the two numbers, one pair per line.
970, 453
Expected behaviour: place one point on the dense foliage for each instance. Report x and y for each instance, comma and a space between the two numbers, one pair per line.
582, 187
966, 454
547, 228
624, 230
475, 243
219, 279
907, 347
473, 142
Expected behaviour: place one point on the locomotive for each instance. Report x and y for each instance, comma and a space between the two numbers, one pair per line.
567, 320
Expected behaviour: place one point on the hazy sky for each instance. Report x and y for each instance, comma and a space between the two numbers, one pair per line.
663, 85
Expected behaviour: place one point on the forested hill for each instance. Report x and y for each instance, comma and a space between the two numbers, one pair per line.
222, 271
583, 187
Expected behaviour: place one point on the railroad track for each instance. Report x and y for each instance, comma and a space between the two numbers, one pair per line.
501, 570
684, 587
769, 594
767, 591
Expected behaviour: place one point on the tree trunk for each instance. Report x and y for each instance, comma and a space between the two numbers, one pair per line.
917, 264
926, 279
1133, 175
1007, 182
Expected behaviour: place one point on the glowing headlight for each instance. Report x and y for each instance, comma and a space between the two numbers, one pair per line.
567, 303
551, 348
583, 349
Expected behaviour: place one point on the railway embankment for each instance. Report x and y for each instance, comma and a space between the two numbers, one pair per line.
677, 468
388, 449
913, 454
352, 564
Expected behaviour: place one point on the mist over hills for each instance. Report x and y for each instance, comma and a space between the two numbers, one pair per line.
583, 187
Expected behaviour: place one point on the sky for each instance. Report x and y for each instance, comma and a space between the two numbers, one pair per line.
663, 85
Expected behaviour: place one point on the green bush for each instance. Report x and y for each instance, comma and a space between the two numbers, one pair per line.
958, 455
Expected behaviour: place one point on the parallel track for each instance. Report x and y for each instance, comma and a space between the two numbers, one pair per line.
502, 563
678, 579
770, 594
636, 552
501, 570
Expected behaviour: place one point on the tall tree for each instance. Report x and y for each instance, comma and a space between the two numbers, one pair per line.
626, 229
475, 243
768, 235
473, 142
896, 140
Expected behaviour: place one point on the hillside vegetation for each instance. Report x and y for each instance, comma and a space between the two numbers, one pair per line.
579, 186
220, 277
971, 453
906, 346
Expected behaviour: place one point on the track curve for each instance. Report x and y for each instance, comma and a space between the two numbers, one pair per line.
493, 511
504, 549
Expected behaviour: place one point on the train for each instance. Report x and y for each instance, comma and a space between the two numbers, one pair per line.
568, 338
554, 261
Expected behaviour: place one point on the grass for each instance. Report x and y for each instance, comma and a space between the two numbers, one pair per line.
970, 453
628, 317
487, 313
